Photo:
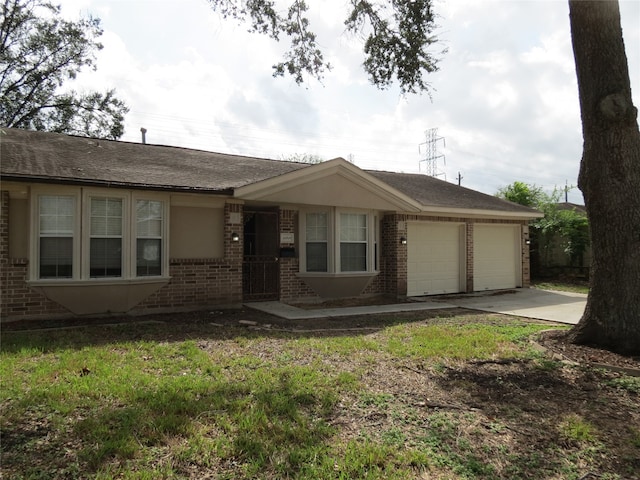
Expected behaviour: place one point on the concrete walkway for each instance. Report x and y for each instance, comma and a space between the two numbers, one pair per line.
294, 313
562, 307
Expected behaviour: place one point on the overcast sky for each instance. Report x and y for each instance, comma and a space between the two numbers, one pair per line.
505, 100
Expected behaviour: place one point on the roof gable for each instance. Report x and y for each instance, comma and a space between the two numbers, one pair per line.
336, 183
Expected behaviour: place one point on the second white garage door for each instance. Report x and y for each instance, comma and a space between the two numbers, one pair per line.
434, 258
496, 258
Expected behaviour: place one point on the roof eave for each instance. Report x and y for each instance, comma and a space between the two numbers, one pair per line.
481, 213
113, 184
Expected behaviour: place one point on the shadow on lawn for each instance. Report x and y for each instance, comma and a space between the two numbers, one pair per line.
551, 419
224, 325
218, 424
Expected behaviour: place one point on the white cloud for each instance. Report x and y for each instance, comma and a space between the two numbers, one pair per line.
505, 98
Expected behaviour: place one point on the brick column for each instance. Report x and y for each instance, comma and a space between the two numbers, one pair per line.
233, 251
394, 254
526, 256
4, 250
469, 256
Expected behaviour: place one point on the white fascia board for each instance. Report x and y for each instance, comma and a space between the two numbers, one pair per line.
476, 213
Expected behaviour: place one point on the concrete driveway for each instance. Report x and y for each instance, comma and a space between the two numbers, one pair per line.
563, 307
559, 307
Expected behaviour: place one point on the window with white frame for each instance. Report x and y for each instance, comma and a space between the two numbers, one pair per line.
105, 242
91, 235
353, 242
56, 231
317, 234
148, 238
338, 241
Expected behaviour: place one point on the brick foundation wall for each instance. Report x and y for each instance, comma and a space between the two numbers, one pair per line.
195, 284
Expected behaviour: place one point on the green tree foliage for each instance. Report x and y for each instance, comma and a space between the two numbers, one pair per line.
523, 194
39, 52
303, 158
397, 38
567, 228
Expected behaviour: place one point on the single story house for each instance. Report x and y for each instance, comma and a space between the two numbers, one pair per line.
97, 227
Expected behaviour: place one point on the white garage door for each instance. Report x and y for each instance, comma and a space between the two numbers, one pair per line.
433, 258
496, 257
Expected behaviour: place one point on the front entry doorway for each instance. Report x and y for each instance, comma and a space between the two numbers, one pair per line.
260, 266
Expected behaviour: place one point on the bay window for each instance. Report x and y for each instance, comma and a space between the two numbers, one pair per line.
94, 234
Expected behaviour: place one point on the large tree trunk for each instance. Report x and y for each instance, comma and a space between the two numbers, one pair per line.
609, 177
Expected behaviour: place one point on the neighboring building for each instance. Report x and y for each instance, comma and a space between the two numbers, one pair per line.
96, 227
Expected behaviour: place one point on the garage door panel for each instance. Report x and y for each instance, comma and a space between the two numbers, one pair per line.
496, 257
433, 258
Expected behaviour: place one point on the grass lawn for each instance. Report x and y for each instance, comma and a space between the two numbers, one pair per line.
433, 398
575, 287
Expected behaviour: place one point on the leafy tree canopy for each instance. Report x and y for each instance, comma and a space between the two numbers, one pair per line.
397, 36
523, 194
567, 226
39, 51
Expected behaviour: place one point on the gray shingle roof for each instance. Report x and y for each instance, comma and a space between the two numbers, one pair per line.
51, 156
430, 191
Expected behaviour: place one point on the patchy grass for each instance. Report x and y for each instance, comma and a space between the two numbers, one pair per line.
442, 398
575, 287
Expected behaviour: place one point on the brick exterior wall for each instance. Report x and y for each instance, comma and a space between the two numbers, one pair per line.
194, 284
204, 282
526, 256
469, 256
208, 282
394, 255
292, 287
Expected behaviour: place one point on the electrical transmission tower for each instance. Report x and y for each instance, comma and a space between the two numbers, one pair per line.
429, 164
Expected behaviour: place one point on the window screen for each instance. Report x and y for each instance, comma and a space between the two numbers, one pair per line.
148, 238
56, 229
353, 242
316, 242
105, 249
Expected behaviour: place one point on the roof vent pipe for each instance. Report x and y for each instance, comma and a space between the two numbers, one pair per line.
144, 134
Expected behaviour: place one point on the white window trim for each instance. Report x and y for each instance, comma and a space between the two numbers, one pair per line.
81, 234
338, 241
333, 245
88, 194
165, 234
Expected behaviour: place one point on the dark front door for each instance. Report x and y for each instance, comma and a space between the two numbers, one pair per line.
260, 267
